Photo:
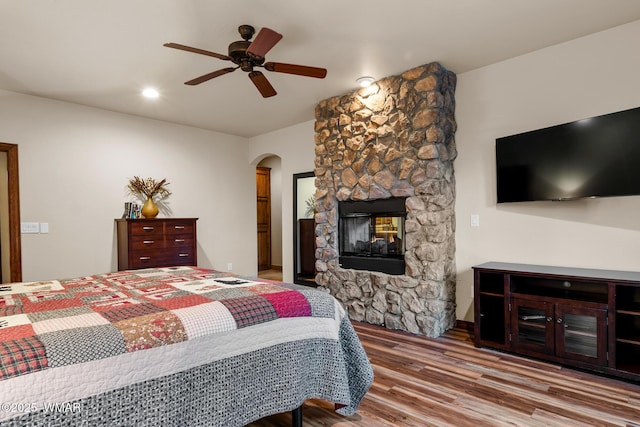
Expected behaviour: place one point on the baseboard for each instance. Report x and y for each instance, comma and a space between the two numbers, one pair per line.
463, 324
276, 267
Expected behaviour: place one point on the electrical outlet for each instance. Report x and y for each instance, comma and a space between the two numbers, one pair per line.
229, 266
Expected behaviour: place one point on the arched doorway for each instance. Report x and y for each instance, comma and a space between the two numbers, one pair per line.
269, 217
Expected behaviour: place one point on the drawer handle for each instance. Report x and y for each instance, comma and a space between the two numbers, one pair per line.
179, 227
179, 240
183, 255
145, 258
148, 242
147, 228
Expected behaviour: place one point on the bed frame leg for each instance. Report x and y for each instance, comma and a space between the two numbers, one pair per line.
296, 417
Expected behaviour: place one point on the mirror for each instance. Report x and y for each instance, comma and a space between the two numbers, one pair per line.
304, 236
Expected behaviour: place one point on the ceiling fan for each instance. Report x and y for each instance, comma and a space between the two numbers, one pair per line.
247, 55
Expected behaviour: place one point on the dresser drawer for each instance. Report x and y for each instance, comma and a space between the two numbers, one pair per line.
142, 260
181, 257
162, 258
146, 228
178, 227
179, 241
148, 242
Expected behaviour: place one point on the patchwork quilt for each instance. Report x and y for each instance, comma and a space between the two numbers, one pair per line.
170, 321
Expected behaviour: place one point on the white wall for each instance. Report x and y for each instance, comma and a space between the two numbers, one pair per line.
590, 76
295, 146
75, 163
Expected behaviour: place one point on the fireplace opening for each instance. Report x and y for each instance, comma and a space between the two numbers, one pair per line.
371, 235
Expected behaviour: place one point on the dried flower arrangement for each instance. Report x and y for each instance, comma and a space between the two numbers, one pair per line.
149, 188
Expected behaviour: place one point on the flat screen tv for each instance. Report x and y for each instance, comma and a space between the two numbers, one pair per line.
596, 157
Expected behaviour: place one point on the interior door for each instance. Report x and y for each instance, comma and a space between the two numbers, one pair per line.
263, 203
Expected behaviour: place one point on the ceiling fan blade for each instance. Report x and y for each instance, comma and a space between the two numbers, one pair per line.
300, 70
196, 50
264, 41
262, 84
210, 76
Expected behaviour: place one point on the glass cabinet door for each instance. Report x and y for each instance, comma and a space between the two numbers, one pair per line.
532, 326
581, 333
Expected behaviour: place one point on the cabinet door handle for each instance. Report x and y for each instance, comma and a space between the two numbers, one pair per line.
145, 258
559, 320
183, 255
179, 227
179, 240
535, 317
549, 319
148, 242
147, 228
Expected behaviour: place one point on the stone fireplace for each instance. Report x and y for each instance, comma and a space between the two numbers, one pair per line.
394, 139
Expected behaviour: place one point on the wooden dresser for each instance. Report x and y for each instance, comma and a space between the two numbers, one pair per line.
157, 242
307, 247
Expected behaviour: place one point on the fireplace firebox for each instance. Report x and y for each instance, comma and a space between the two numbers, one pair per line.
371, 235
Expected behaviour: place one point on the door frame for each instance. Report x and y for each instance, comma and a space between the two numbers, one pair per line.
13, 192
296, 250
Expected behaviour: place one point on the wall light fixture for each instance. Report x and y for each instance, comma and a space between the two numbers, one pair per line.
365, 81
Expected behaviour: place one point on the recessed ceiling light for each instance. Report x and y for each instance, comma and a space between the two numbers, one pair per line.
150, 93
365, 81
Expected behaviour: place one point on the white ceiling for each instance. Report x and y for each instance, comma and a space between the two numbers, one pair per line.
101, 53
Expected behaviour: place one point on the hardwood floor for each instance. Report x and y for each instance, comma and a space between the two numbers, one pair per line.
448, 382
274, 274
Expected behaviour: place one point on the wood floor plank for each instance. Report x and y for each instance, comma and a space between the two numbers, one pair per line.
554, 420
614, 403
422, 382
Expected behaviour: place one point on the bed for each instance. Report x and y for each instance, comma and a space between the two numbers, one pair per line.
172, 347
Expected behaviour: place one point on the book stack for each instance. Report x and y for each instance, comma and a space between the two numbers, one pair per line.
132, 210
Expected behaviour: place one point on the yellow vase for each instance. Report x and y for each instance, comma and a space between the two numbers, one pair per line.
149, 209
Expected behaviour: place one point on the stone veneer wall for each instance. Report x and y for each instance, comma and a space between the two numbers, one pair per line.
393, 139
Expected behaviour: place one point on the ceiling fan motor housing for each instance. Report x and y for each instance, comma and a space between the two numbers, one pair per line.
239, 55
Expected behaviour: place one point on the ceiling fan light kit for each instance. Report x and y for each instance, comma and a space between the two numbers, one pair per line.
247, 55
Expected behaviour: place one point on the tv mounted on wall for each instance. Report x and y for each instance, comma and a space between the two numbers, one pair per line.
595, 157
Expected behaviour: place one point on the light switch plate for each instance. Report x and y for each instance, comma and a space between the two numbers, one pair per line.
475, 220
29, 227
44, 227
